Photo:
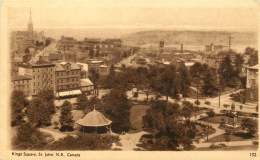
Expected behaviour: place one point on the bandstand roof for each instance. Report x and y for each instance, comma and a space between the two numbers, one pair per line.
94, 119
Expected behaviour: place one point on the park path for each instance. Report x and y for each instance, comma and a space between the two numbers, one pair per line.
55, 134
129, 141
214, 102
229, 144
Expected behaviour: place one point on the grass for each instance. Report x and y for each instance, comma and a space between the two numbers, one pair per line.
218, 119
232, 137
233, 148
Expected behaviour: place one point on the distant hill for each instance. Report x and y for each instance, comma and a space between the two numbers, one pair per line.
190, 37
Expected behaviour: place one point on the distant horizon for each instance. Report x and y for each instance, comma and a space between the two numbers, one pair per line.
118, 32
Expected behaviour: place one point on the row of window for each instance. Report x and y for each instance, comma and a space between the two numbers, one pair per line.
43, 76
43, 69
45, 82
21, 87
64, 87
67, 73
74, 79
21, 82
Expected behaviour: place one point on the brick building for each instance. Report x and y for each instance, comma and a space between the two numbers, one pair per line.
22, 83
67, 81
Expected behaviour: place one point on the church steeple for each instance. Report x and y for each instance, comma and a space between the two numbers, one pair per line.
30, 23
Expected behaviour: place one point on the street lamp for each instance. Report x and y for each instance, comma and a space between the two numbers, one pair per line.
219, 86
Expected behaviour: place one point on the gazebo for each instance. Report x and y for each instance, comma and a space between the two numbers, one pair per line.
94, 122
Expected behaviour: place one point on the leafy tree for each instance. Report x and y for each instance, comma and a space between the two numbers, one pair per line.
48, 42
47, 97
94, 77
39, 113
226, 72
169, 129
28, 137
168, 82
187, 109
66, 119
209, 86
253, 56
250, 125
84, 142
18, 104
184, 79
83, 102
239, 61
110, 82
117, 106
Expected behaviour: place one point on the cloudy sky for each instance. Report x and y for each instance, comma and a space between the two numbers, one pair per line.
199, 14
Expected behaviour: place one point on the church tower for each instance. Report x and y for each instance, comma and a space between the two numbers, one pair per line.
30, 25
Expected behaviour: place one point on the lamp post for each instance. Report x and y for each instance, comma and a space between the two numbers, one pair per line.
219, 85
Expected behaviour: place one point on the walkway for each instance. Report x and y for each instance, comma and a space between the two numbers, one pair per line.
214, 102
55, 134
129, 141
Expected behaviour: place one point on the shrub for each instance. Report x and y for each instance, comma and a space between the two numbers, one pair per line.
225, 105
56, 125
28, 137
135, 94
197, 102
207, 102
84, 142
211, 113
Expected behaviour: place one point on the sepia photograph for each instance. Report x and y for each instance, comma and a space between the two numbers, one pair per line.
133, 78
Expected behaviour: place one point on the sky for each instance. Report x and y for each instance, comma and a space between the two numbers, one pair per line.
116, 18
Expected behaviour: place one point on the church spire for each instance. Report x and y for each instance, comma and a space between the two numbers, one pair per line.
30, 18
30, 24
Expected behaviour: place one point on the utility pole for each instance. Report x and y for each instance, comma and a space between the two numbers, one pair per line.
219, 87
229, 42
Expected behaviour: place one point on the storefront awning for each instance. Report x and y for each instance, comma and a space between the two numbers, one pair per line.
68, 93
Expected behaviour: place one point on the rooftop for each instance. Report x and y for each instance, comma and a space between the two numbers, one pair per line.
21, 77
94, 119
254, 67
86, 82
61, 66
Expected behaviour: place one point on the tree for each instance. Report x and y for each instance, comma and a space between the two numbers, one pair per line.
209, 86
66, 119
117, 106
47, 97
94, 77
18, 104
169, 129
110, 81
184, 79
48, 42
239, 61
187, 109
168, 82
29, 137
249, 125
83, 102
39, 113
253, 56
226, 72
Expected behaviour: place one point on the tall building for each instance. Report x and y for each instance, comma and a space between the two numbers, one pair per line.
22, 40
30, 26
22, 83
67, 81
42, 74
252, 82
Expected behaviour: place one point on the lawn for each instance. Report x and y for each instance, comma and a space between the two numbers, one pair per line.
218, 119
228, 148
232, 137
